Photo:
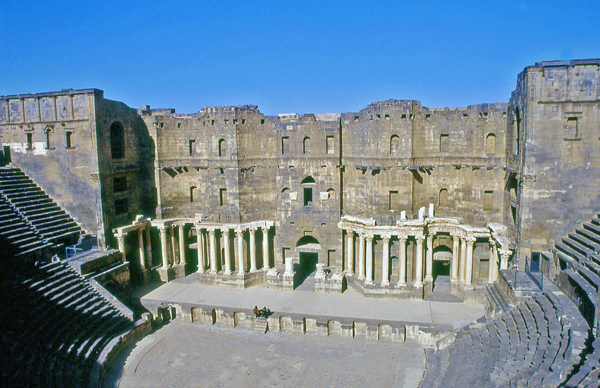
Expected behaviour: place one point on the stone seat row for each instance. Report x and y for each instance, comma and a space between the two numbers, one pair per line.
527, 345
19, 236
39, 210
60, 325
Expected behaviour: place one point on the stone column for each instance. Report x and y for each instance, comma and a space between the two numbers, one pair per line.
252, 250
504, 255
463, 260
369, 260
454, 264
350, 253
402, 261
419, 264
142, 249
495, 253
173, 249
469, 266
213, 251
429, 259
239, 233
200, 243
148, 247
182, 245
121, 241
361, 256
385, 265
226, 248
491, 263
163, 245
265, 247
289, 265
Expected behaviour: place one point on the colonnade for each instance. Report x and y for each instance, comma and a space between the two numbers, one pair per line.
461, 267
208, 255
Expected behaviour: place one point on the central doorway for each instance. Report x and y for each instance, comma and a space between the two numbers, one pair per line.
308, 249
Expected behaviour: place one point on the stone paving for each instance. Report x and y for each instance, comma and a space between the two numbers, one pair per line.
194, 355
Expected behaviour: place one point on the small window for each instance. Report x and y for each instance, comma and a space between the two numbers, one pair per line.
30, 141
572, 130
490, 144
117, 141
222, 197
331, 193
306, 145
285, 141
443, 198
121, 206
329, 145
307, 196
48, 136
192, 145
394, 200
262, 121
513, 211
488, 201
192, 188
394, 145
444, 142
222, 147
68, 139
119, 184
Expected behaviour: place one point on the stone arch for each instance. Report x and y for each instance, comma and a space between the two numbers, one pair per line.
222, 147
308, 184
443, 198
330, 193
306, 145
285, 190
117, 140
394, 145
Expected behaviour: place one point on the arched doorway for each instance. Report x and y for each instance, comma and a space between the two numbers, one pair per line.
308, 249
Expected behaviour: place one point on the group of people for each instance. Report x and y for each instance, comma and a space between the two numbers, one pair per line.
264, 312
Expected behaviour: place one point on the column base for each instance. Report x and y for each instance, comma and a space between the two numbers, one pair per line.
164, 273
349, 273
401, 285
226, 272
361, 277
179, 271
418, 284
428, 279
253, 270
385, 284
369, 283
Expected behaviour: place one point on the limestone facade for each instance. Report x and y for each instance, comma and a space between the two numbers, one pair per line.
508, 176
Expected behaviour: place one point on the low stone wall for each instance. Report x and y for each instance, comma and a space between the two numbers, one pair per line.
112, 299
375, 291
427, 335
233, 280
142, 328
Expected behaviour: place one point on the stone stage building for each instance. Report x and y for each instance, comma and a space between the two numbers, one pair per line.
386, 199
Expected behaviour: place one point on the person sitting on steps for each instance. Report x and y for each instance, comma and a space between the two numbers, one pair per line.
256, 311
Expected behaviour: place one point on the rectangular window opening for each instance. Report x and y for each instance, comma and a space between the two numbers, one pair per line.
444, 142
30, 141
572, 127
192, 144
222, 197
394, 200
285, 140
192, 193
329, 145
68, 138
488, 201
121, 206
119, 184
308, 196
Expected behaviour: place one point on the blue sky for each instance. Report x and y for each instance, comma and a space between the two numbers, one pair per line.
302, 56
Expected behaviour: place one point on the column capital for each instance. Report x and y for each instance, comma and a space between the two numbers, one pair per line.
350, 233
265, 229
420, 239
252, 230
386, 238
369, 237
163, 228
120, 238
505, 253
471, 240
402, 238
239, 232
211, 231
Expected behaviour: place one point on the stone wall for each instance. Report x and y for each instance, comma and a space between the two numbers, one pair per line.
555, 109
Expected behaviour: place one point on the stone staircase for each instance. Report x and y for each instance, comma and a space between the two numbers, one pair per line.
37, 213
260, 325
57, 328
18, 238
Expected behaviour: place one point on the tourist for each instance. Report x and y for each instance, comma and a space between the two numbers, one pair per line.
256, 311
